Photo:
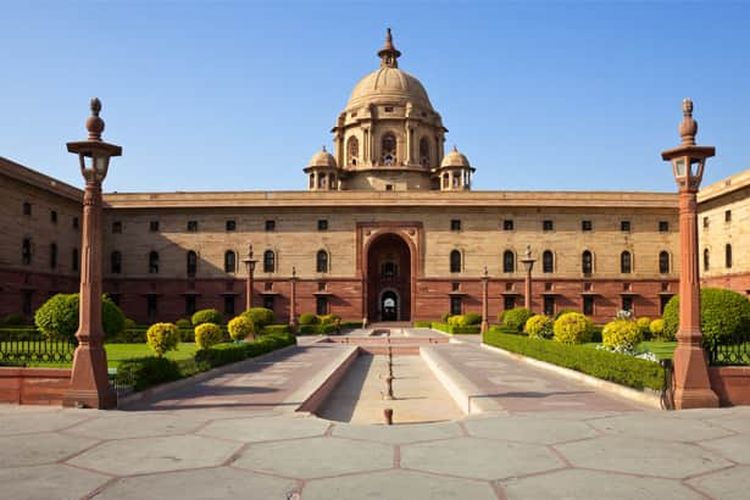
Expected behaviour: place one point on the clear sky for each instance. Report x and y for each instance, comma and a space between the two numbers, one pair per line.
239, 95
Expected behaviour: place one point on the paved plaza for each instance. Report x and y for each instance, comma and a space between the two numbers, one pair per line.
210, 441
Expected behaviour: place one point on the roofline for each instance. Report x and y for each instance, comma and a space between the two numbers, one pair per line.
724, 186
21, 173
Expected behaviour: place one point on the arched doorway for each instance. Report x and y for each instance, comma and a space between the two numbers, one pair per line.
389, 279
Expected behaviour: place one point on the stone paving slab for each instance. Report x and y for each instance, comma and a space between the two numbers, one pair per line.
44, 482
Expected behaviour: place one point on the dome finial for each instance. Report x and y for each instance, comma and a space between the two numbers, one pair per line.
688, 126
389, 54
324, 148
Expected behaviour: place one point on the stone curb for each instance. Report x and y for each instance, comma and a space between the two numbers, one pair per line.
314, 393
647, 397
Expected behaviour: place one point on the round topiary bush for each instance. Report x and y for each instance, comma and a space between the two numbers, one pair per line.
184, 324
539, 326
471, 319
207, 334
643, 325
457, 321
259, 317
563, 311
58, 317
240, 328
162, 337
128, 324
572, 328
516, 318
656, 327
328, 319
307, 319
206, 316
621, 335
725, 316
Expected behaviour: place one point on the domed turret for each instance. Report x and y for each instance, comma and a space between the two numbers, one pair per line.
323, 172
455, 172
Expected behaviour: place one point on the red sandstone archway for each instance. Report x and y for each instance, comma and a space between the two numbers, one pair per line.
389, 275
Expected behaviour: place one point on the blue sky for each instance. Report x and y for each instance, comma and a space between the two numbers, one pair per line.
239, 95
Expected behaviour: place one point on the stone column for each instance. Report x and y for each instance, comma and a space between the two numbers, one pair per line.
528, 264
250, 265
485, 298
293, 300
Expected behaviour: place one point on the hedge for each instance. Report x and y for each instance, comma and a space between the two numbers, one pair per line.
454, 329
207, 316
275, 329
422, 324
515, 318
618, 368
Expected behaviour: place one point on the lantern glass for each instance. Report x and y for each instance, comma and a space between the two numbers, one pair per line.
679, 168
696, 168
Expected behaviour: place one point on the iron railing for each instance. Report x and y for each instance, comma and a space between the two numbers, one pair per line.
734, 350
23, 351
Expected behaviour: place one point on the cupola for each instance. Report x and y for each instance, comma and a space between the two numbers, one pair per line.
323, 172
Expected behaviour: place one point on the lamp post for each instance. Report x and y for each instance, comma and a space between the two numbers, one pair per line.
89, 381
293, 297
528, 265
250, 265
692, 383
485, 306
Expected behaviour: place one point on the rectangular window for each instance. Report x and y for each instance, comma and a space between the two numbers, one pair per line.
549, 305
586, 225
117, 227
229, 301
231, 225
268, 302
389, 187
455, 224
663, 226
192, 226
53, 216
321, 305
625, 226
508, 225
727, 216
322, 225
152, 306
627, 303
26, 305
509, 302
153, 226
663, 300
588, 305
190, 306
76, 223
456, 306
26, 208
547, 225
705, 222
270, 225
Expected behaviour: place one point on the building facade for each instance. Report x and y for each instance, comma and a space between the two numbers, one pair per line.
389, 229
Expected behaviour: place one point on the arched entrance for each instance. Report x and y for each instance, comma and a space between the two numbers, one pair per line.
389, 279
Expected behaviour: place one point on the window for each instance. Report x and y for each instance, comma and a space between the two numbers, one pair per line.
455, 224
663, 262
705, 222
389, 109
321, 306
153, 262
455, 261
586, 225
388, 149
509, 262
190, 305
625, 226
115, 262
153, 226
446, 181
230, 225
26, 251
53, 216
152, 306
728, 256
192, 226
269, 261
26, 208
705, 259
26, 299
508, 225
192, 263
509, 302
389, 187
455, 286
626, 262
588, 305
727, 216
548, 262
230, 261
229, 301
74, 260
116, 227
53, 255
549, 305
547, 225
270, 225
627, 303
352, 151
424, 152
587, 262
663, 226
321, 261
322, 225
456, 306
268, 302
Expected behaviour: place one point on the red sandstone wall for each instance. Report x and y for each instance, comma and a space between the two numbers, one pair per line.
737, 282
33, 386
731, 384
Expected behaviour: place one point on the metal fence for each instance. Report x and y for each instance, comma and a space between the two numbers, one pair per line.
728, 351
24, 351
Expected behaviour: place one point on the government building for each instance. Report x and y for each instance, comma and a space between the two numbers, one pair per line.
388, 229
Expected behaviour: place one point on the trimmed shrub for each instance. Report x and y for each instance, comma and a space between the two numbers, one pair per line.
516, 318
656, 327
259, 317
184, 324
240, 328
206, 316
207, 335
307, 319
643, 325
572, 328
563, 311
162, 337
539, 326
275, 330
457, 320
422, 324
471, 319
58, 317
129, 324
148, 371
725, 316
328, 319
455, 329
444, 318
622, 335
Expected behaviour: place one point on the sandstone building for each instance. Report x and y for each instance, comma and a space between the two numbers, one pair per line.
389, 228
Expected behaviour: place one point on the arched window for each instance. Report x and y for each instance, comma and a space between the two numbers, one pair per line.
321, 261
424, 152
626, 262
53, 255
728, 256
388, 149
26, 251
455, 261
153, 262
352, 151
587, 262
192, 263
705, 259
446, 181
269, 261
230, 261
509, 261
115, 262
663, 262
548, 262
312, 181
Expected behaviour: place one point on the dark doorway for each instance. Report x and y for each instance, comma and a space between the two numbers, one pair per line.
389, 279
389, 306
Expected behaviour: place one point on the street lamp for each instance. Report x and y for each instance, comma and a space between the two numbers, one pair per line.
485, 306
250, 264
293, 297
692, 383
528, 265
89, 382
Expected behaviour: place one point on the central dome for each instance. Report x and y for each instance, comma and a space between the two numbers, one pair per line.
389, 85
